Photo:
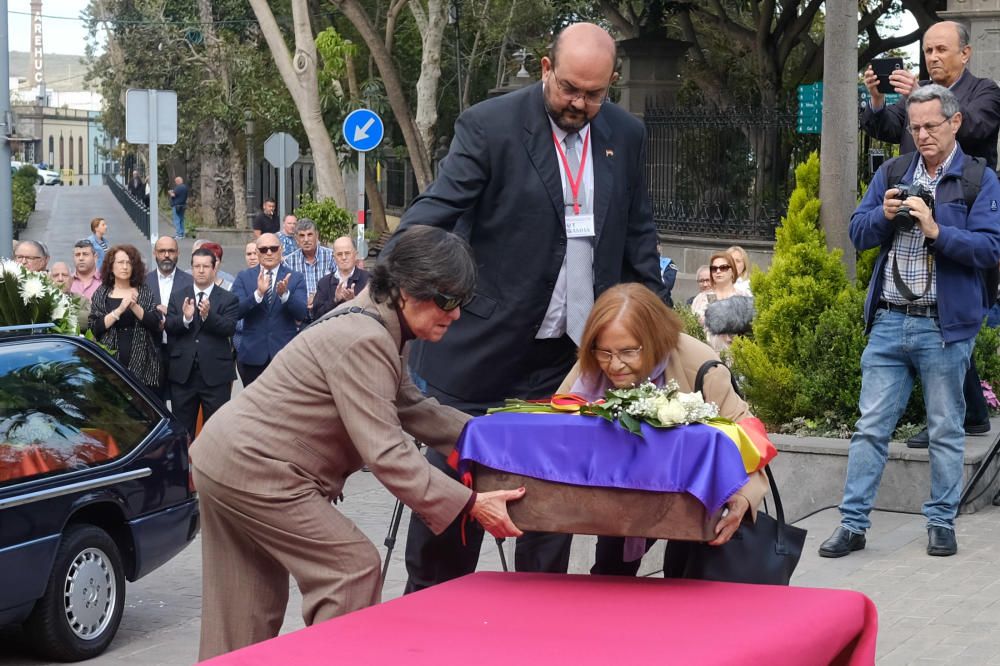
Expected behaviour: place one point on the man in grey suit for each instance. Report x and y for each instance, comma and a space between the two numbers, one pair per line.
164, 280
547, 184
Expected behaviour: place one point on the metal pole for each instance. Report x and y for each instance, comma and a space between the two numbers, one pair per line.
282, 173
361, 242
154, 172
6, 198
250, 197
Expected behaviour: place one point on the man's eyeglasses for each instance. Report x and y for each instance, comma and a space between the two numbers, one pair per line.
24, 257
704, 280
268, 249
571, 94
626, 356
721, 269
929, 127
449, 303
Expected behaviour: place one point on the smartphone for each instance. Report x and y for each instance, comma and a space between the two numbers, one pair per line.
883, 67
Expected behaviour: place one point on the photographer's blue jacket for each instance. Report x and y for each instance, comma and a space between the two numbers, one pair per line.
968, 244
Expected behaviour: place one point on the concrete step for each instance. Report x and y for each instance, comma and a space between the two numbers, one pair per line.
810, 472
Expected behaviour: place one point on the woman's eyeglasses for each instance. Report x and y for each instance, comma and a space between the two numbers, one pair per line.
721, 269
626, 356
449, 303
268, 249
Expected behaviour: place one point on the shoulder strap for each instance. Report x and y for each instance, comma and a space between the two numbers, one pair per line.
699, 379
354, 309
896, 168
972, 178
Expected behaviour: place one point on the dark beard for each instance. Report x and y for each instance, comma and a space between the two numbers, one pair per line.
560, 120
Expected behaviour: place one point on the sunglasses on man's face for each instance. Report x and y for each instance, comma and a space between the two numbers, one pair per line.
449, 303
268, 249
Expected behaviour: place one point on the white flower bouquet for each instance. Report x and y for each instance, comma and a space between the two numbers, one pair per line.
660, 407
27, 297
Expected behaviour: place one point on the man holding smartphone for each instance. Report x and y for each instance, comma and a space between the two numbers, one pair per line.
947, 51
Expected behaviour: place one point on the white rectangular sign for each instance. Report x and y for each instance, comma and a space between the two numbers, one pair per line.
151, 116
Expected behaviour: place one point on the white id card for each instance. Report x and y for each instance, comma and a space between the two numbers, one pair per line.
579, 226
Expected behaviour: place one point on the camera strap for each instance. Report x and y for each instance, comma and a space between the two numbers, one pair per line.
904, 291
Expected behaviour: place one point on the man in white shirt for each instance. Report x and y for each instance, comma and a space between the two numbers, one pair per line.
164, 280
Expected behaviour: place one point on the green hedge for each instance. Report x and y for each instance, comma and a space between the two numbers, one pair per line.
23, 194
331, 220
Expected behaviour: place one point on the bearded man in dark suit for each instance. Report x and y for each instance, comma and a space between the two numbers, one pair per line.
548, 186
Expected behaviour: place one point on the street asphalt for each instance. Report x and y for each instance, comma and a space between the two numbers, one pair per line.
932, 610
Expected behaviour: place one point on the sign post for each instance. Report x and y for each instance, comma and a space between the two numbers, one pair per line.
282, 151
363, 131
151, 118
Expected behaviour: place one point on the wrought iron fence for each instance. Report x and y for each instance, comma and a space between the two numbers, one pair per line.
135, 209
722, 172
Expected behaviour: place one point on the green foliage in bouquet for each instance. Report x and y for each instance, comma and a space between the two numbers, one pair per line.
331, 220
804, 358
27, 297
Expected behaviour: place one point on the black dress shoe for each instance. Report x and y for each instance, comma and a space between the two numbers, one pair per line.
941, 541
977, 428
843, 542
919, 441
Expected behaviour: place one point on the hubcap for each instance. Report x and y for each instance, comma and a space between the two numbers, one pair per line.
90, 593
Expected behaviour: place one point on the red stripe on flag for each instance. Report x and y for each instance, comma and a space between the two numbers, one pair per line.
754, 428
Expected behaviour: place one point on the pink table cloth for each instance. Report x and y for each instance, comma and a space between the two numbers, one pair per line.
499, 619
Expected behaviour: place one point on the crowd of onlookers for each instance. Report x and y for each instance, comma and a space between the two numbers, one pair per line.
153, 320
724, 302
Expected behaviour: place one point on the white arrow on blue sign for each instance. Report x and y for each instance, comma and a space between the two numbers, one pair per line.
363, 130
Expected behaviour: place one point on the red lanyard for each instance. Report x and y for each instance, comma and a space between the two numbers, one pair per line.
574, 183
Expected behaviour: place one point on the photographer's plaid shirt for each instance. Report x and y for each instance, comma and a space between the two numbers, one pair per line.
910, 250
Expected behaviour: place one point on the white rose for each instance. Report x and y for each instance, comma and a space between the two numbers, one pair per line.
670, 413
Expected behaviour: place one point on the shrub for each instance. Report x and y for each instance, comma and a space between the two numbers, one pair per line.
23, 195
331, 220
690, 319
804, 357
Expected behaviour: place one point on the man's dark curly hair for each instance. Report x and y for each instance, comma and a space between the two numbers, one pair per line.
424, 261
138, 268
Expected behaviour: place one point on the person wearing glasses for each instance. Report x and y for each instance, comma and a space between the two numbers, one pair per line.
704, 278
266, 485
123, 315
722, 271
632, 337
272, 302
926, 302
32, 255
553, 175
947, 51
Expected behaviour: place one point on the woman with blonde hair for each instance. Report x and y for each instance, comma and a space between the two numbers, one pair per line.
742, 262
631, 337
721, 322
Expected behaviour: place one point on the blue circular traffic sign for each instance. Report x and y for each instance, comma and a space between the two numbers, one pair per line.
363, 130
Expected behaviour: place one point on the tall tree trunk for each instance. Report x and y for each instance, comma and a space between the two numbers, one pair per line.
419, 155
237, 168
300, 75
431, 22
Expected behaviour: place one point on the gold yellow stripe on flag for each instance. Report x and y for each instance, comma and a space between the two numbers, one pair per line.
748, 452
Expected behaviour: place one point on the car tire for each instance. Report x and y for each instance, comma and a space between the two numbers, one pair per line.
40, 180
79, 613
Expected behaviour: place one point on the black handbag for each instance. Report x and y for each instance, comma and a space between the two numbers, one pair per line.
765, 552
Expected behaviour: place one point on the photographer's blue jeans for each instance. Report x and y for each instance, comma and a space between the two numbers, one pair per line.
899, 348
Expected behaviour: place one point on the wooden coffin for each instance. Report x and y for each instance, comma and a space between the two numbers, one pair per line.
548, 506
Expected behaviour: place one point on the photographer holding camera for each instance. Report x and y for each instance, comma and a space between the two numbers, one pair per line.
926, 301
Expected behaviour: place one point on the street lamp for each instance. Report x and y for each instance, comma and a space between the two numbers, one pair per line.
250, 194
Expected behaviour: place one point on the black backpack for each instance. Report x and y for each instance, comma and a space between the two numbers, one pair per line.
972, 176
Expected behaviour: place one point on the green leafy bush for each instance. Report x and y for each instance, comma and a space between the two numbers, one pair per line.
23, 195
690, 319
804, 358
331, 220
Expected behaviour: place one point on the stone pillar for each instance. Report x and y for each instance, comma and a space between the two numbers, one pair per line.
982, 18
650, 72
838, 171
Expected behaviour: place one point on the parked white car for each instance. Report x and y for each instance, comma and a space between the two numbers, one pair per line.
45, 176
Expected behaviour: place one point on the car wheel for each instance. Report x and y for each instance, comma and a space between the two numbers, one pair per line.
40, 180
79, 613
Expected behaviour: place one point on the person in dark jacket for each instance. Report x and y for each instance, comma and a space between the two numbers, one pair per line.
344, 283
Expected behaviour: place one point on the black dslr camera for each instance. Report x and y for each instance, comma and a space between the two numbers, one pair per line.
903, 220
